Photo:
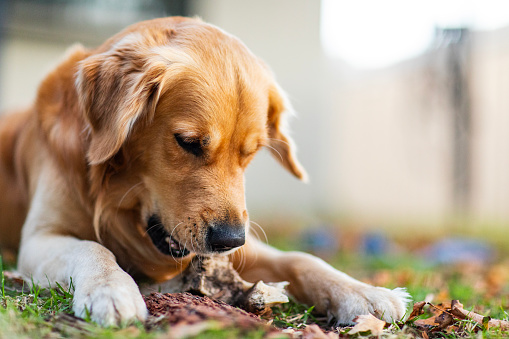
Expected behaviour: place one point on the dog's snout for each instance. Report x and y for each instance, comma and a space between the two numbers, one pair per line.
224, 237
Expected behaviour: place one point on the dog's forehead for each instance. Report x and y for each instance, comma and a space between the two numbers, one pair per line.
213, 86
238, 116
210, 103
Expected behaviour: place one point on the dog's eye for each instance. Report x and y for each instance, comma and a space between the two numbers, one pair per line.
193, 146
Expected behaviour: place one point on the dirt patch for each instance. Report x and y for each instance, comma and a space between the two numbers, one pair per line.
188, 309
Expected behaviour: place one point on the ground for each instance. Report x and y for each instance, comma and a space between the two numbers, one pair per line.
435, 269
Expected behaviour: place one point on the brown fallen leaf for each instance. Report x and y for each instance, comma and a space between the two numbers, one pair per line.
447, 318
427, 323
441, 321
458, 310
443, 307
417, 310
16, 281
440, 308
368, 322
444, 320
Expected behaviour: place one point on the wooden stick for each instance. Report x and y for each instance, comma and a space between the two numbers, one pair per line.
458, 310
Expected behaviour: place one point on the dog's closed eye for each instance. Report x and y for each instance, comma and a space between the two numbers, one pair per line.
191, 145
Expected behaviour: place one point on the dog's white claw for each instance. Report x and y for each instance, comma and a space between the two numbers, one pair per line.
114, 302
388, 305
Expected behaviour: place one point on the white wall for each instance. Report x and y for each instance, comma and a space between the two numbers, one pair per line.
24, 63
393, 146
491, 122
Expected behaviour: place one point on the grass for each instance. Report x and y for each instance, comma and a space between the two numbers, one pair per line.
294, 315
47, 313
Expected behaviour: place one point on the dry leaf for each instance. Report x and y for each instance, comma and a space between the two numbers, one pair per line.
444, 320
446, 305
417, 310
17, 282
368, 322
428, 322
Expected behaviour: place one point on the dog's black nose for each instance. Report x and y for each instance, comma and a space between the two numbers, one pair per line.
223, 237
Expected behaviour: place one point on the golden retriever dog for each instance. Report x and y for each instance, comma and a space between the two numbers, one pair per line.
132, 159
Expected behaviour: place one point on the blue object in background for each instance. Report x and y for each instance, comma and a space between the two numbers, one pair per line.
375, 244
459, 250
321, 240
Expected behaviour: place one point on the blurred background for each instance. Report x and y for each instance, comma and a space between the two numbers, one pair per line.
402, 106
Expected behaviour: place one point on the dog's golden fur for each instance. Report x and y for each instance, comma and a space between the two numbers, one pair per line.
163, 118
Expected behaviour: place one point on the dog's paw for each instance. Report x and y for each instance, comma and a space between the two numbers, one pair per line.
388, 305
115, 300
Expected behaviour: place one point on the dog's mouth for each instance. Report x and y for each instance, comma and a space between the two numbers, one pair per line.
162, 240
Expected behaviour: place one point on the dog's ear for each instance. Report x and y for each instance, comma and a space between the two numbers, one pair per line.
281, 145
116, 89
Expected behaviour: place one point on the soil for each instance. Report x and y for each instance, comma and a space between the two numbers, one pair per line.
185, 308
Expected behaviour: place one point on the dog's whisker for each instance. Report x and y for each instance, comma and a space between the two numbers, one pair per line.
194, 251
239, 256
281, 141
194, 265
171, 236
124, 196
275, 150
234, 256
174, 228
185, 246
193, 245
127, 192
151, 227
240, 269
242, 260
261, 229
255, 234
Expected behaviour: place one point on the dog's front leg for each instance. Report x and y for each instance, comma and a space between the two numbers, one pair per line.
47, 255
314, 282
102, 288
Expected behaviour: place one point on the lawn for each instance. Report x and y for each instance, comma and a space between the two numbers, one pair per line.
473, 271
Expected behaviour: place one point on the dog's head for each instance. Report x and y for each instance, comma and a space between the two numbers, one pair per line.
183, 107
